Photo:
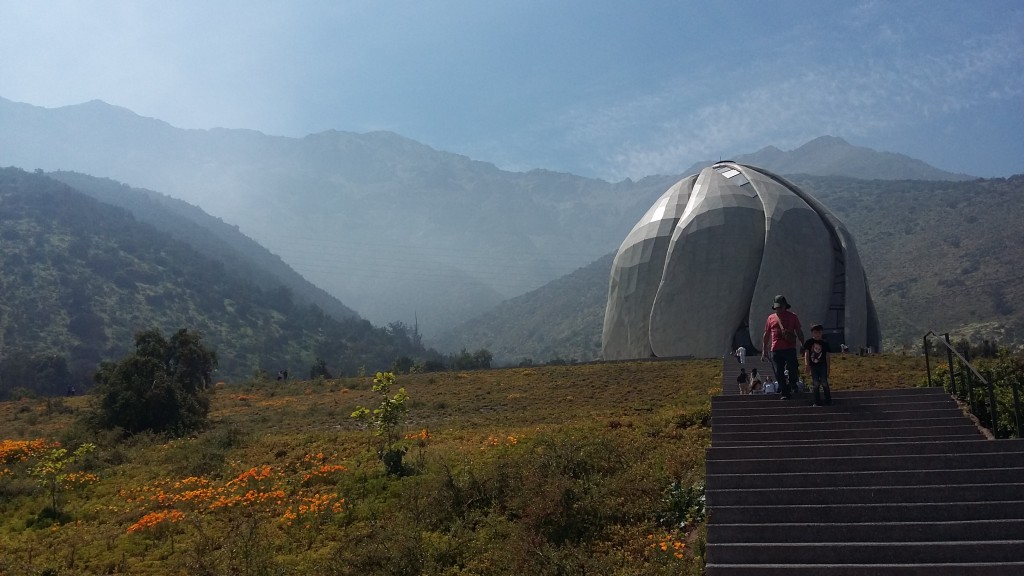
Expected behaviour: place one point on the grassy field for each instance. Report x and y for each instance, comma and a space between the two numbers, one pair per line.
582, 469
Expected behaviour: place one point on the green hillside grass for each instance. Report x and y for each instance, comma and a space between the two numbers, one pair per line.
80, 277
541, 470
941, 256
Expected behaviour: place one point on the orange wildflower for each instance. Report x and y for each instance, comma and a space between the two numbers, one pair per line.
21, 450
155, 519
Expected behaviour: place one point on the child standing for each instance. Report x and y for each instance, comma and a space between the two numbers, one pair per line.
816, 364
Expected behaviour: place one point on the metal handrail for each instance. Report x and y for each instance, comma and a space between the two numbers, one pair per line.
945, 342
993, 407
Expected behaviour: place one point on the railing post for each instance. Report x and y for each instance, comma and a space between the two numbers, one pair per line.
1016, 407
949, 359
992, 408
927, 363
969, 376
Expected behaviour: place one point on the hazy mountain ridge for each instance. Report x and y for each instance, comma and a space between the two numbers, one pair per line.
938, 256
833, 156
391, 227
397, 228
562, 319
207, 235
81, 277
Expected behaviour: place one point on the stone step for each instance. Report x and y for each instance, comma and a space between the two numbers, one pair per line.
794, 439
790, 451
826, 479
751, 425
866, 494
962, 426
853, 397
924, 433
767, 400
791, 406
888, 393
919, 569
848, 398
876, 532
867, 513
868, 552
866, 463
832, 415
801, 438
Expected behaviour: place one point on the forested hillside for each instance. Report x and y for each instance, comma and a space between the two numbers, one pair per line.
942, 256
81, 277
393, 228
560, 321
939, 255
208, 235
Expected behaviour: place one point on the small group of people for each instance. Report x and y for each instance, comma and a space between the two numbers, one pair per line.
783, 335
752, 383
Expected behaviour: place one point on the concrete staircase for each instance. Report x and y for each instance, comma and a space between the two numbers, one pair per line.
882, 482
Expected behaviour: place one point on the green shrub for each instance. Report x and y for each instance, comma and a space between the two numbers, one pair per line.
683, 505
161, 387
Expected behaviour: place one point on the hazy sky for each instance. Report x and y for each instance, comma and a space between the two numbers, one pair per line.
594, 87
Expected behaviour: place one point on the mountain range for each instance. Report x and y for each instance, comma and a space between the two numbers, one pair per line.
832, 156
81, 276
939, 255
393, 230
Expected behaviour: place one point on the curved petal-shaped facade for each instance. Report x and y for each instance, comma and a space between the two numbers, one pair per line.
637, 272
696, 276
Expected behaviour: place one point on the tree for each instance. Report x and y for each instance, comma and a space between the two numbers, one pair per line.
43, 374
319, 370
161, 387
479, 360
52, 471
482, 358
386, 420
402, 365
190, 364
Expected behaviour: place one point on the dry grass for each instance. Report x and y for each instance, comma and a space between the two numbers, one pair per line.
638, 423
876, 371
483, 401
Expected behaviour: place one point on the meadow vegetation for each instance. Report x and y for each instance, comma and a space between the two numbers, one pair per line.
577, 469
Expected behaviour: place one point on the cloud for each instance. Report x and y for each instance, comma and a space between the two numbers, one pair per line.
665, 132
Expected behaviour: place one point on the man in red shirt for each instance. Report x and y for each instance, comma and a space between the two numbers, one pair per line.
782, 335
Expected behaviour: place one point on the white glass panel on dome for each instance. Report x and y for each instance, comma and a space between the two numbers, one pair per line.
659, 212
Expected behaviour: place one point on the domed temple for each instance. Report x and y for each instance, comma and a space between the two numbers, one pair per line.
697, 274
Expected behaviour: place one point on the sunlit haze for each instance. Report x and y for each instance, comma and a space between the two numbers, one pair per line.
597, 88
